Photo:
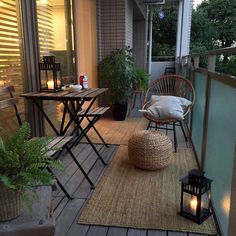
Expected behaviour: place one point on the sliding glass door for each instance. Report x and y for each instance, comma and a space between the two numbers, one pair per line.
11, 59
56, 38
29, 30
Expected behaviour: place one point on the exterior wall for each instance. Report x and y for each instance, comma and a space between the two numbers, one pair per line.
118, 28
140, 43
86, 35
129, 24
158, 68
184, 28
111, 26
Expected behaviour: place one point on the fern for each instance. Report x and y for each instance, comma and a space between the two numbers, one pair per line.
22, 160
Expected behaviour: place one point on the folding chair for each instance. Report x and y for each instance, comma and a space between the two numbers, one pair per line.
60, 142
92, 116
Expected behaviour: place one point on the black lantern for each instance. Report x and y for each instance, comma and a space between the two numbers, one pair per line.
195, 196
49, 75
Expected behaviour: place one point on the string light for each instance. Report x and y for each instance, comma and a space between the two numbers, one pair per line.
161, 13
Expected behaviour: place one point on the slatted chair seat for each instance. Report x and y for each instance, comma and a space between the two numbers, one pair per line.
98, 111
92, 116
58, 144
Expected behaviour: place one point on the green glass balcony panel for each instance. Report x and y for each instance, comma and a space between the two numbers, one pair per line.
198, 112
221, 136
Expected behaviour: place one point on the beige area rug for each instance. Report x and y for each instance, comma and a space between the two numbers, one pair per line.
130, 197
117, 132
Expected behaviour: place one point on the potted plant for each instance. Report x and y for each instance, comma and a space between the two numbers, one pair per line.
140, 79
22, 164
116, 73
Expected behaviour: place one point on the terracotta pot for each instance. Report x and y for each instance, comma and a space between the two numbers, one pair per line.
11, 203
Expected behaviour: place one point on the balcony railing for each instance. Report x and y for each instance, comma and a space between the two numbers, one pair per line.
213, 129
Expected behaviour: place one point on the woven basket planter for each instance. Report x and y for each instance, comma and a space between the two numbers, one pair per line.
150, 150
11, 204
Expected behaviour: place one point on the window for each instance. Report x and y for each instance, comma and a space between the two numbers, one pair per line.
56, 34
55, 29
10, 57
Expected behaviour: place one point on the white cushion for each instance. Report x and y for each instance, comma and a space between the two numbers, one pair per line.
163, 107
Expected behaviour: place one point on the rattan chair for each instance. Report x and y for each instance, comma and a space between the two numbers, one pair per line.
172, 85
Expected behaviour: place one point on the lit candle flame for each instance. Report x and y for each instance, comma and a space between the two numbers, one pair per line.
193, 205
50, 84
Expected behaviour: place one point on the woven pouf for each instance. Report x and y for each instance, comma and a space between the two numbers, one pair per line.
150, 150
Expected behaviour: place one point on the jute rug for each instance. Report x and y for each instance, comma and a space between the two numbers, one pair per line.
117, 132
130, 197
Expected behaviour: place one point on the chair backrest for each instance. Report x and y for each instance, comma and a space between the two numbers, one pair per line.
172, 85
8, 100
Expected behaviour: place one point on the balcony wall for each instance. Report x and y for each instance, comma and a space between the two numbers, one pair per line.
213, 131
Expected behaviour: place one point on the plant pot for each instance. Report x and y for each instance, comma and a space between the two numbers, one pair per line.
119, 111
11, 203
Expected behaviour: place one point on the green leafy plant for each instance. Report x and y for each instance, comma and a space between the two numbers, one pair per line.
140, 79
23, 160
116, 73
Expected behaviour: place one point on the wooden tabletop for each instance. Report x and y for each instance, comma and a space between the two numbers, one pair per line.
66, 95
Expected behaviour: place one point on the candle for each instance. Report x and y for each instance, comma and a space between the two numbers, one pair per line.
58, 83
50, 84
193, 205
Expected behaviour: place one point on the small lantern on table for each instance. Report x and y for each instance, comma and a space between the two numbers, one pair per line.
195, 196
49, 75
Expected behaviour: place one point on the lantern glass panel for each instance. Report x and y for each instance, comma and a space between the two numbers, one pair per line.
190, 204
195, 197
58, 79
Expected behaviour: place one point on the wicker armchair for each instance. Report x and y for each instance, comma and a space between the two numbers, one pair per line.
172, 85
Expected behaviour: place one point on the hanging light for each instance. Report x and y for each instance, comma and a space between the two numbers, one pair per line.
161, 13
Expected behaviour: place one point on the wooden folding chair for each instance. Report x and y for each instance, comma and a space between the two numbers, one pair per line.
59, 143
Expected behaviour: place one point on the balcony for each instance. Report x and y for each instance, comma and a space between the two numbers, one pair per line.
211, 128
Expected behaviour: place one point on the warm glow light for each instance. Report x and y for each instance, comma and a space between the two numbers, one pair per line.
1, 4
193, 205
58, 83
50, 84
1, 83
226, 204
43, 2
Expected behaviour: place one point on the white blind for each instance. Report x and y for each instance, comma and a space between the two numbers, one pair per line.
45, 27
10, 57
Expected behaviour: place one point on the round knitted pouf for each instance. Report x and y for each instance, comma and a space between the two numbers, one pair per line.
150, 150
